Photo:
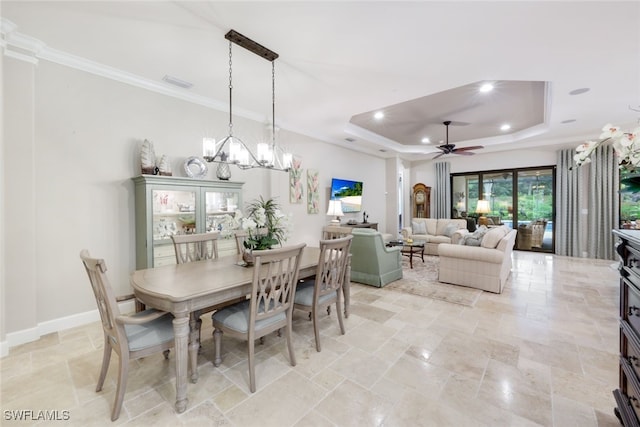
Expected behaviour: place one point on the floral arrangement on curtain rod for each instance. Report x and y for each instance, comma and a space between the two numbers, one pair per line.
625, 144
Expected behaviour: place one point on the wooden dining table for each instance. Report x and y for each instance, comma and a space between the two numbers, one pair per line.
184, 288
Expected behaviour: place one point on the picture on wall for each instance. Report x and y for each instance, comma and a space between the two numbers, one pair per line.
313, 192
295, 181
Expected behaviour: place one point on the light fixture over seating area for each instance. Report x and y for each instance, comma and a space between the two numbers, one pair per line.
231, 149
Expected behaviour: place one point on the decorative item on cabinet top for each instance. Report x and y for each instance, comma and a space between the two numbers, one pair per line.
150, 164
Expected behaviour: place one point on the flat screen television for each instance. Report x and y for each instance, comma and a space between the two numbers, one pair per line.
348, 192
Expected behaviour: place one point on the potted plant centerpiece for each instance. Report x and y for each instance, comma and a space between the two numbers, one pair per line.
265, 225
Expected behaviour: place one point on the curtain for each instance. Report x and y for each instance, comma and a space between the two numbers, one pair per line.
442, 196
603, 203
567, 228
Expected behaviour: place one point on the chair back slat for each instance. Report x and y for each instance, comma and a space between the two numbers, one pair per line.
332, 266
275, 276
195, 247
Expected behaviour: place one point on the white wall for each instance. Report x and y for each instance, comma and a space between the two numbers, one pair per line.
70, 153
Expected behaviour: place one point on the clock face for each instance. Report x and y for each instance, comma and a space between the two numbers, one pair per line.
420, 197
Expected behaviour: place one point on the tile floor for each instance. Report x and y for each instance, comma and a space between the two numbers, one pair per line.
543, 353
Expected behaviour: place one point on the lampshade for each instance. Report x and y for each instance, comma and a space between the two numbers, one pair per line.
335, 209
483, 207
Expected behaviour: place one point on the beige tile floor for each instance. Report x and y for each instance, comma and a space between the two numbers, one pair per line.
543, 353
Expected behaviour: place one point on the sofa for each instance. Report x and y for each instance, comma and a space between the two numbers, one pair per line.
372, 263
435, 231
485, 267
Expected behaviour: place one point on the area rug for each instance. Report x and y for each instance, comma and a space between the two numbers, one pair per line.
422, 280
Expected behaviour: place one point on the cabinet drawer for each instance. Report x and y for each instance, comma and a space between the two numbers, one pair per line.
631, 310
632, 265
631, 387
630, 347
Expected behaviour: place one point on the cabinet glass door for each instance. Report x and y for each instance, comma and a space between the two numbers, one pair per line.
174, 212
221, 207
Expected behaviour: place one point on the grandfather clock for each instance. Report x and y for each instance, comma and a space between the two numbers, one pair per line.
421, 200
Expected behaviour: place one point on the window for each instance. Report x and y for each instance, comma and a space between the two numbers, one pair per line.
517, 198
629, 202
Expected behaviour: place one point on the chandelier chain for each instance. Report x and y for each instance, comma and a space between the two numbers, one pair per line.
273, 103
230, 91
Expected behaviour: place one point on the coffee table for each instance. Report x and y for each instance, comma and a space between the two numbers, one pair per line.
416, 248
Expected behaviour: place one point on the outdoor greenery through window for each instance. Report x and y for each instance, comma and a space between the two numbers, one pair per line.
629, 200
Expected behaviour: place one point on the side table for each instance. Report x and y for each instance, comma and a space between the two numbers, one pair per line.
410, 249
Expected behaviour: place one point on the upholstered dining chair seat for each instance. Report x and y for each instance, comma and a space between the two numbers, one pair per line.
155, 332
236, 317
304, 294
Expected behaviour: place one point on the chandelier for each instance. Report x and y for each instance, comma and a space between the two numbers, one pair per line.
231, 149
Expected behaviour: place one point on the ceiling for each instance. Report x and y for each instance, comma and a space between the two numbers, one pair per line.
419, 62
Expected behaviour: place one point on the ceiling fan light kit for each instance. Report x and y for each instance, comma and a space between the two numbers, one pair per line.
451, 148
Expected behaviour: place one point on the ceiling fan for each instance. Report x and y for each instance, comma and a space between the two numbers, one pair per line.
451, 148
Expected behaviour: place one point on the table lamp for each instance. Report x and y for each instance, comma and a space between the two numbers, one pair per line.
335, 209
483, 208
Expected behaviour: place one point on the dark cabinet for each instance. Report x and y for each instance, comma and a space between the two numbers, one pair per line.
628, 394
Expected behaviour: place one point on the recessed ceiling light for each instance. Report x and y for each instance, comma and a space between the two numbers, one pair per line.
579, 91
177, 82
505, 127
487, 87
564, 122
425, 140
378, 115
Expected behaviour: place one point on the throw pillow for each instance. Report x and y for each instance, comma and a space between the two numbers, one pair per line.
471, 241
450, 229
418, 227
475, 238
493, 237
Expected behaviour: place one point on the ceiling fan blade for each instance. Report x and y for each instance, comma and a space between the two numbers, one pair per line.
439, 155
464, 153
475, 147
454, 123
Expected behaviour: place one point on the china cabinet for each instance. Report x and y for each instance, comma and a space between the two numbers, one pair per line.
167, 205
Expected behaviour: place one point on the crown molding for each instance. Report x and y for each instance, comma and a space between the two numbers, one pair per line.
29, 49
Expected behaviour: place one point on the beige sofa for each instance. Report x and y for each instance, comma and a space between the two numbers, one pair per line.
485, 267
435, 231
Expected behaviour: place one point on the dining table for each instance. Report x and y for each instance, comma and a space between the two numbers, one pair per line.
185, 288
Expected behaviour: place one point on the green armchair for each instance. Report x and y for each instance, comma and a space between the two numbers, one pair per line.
372, 263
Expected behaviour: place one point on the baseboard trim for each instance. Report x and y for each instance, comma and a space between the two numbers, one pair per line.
24, 336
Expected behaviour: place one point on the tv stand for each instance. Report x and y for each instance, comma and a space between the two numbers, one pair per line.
373, 225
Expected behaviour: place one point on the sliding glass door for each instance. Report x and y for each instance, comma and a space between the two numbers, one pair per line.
522, 199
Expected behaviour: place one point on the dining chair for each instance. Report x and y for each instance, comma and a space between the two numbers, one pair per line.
198, 247
195, 247
130, 337
335, 232
326, 289
275, 275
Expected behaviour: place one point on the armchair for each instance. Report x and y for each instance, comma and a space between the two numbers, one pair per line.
372, 263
